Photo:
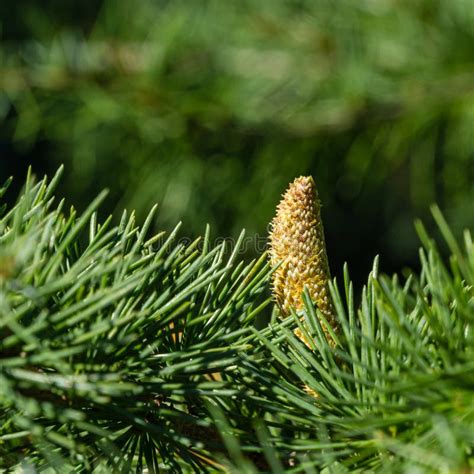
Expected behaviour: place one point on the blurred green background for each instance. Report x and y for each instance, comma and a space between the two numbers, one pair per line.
210, 108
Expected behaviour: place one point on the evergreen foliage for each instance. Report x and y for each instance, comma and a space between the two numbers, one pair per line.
110, 339
122, 351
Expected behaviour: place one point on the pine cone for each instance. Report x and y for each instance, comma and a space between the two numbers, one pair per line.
297, 244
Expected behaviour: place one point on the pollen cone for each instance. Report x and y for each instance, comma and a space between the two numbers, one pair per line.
297, 245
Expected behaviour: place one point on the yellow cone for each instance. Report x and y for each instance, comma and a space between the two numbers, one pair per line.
297, 245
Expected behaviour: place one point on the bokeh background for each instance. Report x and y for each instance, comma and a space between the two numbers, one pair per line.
210, 108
